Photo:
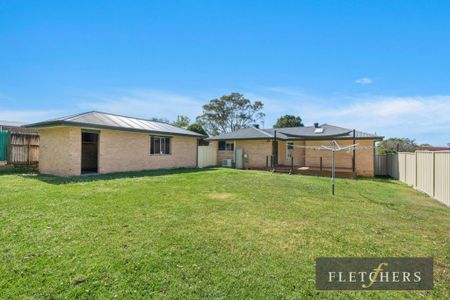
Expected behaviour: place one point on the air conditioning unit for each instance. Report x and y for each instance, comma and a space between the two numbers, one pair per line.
227, 162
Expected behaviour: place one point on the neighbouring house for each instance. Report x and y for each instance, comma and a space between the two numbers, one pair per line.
296, 146
97, 142
14, 126
432, 148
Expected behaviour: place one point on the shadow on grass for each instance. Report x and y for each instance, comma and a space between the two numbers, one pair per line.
94, 177
382, 179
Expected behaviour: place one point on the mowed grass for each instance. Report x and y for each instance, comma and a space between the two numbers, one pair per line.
213, 233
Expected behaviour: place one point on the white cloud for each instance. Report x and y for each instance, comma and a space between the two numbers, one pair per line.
143, 103
364, 80
424, 118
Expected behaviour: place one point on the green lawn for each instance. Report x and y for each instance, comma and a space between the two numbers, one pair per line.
215, 233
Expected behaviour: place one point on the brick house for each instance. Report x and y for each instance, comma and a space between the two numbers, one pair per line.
96, 142
298, 146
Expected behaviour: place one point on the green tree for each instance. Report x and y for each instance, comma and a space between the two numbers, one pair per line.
288, 121
182, 121
230, 113
197, 128
392, 144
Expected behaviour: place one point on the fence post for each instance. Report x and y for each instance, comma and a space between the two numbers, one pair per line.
292, 164
8, 155
415, 173
321, 166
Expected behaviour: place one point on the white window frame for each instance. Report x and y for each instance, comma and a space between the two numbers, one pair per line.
162, 141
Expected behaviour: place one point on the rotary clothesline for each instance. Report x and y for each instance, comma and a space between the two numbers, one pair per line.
325, 148
334, 147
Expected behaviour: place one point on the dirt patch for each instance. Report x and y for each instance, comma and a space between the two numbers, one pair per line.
220, 196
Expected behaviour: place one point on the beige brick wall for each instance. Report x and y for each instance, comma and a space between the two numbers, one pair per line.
122, 151
298, 153
222, 154
60, 151
364, 157
119, 151
257, 151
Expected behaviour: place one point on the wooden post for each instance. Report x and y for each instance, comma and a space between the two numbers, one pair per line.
321, 167
28, 150
9, 150
292, 164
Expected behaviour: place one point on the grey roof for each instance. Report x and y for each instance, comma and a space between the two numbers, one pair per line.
295, 133
95, 119
244, 134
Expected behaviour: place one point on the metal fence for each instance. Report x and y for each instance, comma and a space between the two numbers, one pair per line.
207, 156
426, 171
4, 141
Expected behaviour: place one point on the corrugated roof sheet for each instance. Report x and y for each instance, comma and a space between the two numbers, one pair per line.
96, 119
289, 133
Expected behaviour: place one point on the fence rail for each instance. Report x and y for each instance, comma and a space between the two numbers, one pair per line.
426, 171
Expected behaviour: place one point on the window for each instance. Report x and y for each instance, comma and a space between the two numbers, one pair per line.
159, 145
226, 146
290, 145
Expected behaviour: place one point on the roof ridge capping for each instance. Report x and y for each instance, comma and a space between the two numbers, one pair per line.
77, 120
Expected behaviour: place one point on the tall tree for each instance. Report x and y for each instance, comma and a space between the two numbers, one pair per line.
182, 121
288, 121
230, 113
163, 120
392, 144
195, 127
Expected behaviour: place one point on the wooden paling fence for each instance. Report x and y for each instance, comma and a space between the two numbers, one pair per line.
23, 148
426, 171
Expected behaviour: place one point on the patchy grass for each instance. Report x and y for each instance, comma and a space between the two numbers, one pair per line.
215, 233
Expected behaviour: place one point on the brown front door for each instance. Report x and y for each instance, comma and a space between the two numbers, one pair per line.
89, 152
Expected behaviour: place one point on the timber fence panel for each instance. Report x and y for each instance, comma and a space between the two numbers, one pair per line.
24, 148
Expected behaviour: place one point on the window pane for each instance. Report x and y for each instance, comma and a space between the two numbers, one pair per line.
157, 145
221, 145
167, 146
152, 146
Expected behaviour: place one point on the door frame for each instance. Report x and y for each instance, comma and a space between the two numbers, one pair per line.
97, 132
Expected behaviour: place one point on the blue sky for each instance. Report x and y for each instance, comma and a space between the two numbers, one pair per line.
378, 66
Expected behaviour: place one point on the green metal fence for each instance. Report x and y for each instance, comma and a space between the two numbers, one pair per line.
4, 134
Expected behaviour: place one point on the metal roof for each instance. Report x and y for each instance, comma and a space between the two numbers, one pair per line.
95, 119
295, 133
